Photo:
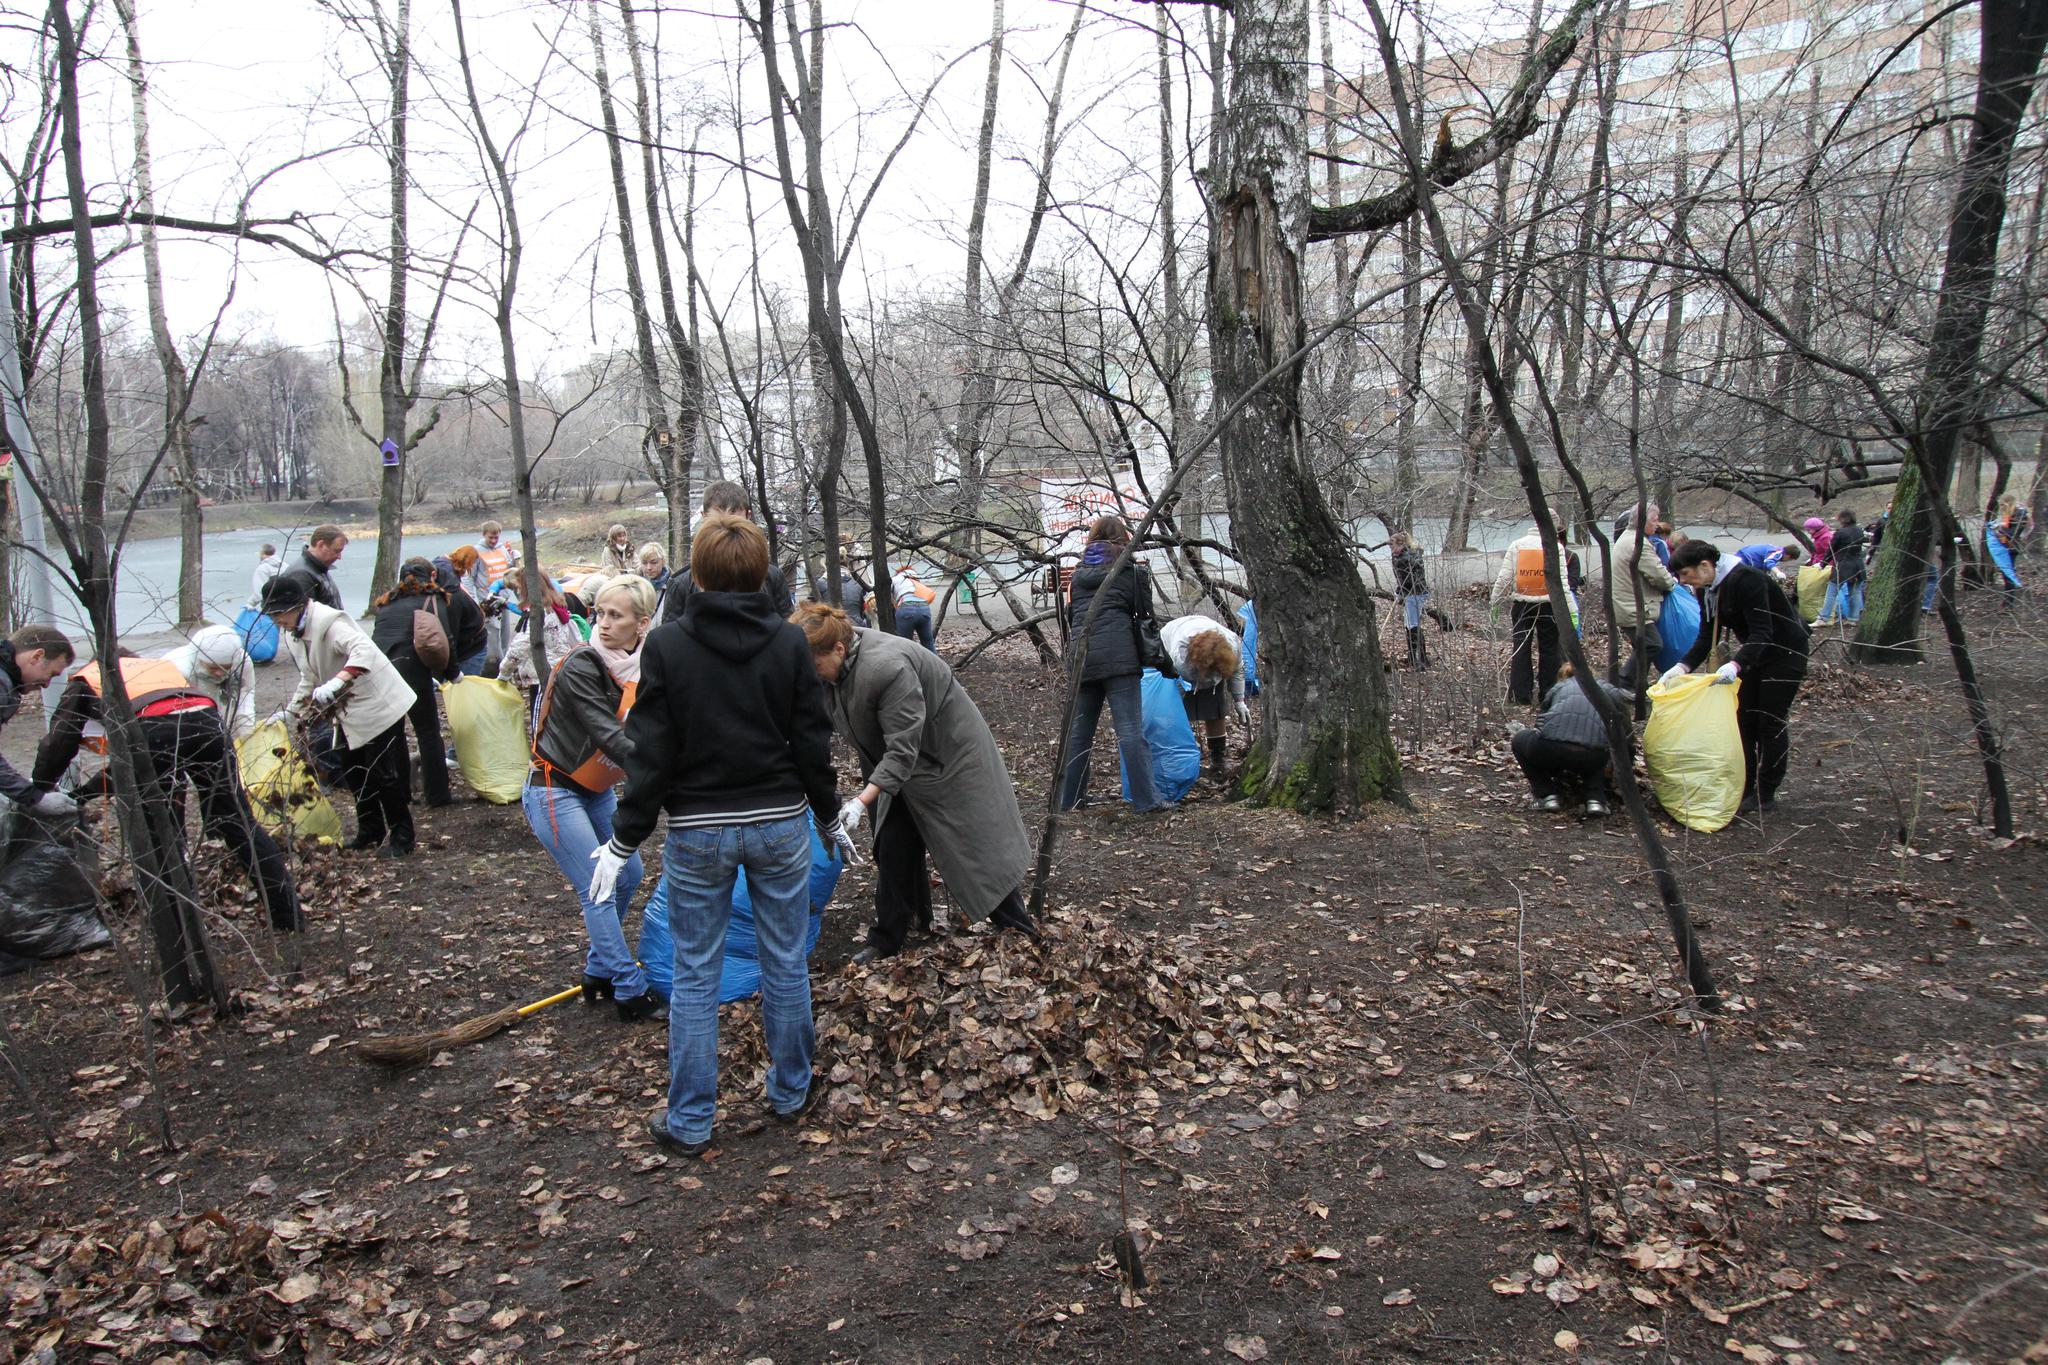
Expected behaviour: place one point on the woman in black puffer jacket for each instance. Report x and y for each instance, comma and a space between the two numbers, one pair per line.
420, 590
1111, 667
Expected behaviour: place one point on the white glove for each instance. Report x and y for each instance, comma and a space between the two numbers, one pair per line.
279, 716
850, 816
605, 880
324, 695
1673, 674
52, 804
842, 846
1725, 674
1244, 714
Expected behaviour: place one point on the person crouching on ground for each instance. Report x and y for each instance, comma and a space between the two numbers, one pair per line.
1567, 747
579, 755
1771, 663
935, 780
345, 678
1207, 658
730, 737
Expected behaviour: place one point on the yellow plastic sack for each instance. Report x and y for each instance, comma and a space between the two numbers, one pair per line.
1814, 581
1694, 751
487, 721
287, 800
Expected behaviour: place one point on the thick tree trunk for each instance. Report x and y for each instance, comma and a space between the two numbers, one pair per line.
1324, 744
1950, 397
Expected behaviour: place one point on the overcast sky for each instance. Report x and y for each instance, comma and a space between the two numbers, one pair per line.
239, 90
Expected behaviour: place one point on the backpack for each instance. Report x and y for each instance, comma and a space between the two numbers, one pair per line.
430, 641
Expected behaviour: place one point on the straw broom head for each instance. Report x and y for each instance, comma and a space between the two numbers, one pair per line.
412, 1049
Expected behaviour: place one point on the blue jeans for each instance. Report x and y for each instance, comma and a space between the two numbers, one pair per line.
914, 621
572, 826
700, 866
1411, 609
1845, 600
1127, 713
1933, 587
473, 666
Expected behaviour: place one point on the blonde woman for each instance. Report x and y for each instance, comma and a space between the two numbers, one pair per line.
579, 755
1206, 656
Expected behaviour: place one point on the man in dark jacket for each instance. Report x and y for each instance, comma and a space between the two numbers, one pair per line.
30, 659
1567, 747
1771, 663
316, 565
730, 737
723, 498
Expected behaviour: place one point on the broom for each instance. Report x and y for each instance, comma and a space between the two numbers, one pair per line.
410, 1049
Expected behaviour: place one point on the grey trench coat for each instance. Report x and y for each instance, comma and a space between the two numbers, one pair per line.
920, 737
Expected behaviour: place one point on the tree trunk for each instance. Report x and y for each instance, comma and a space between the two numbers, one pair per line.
679, 452
177, 381
1324, 744
511, 249
394, 403
656, 439
1950, 398
186, 968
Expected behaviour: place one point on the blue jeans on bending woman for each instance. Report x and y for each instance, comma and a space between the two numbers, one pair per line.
572, 824
700, 865
1127, 714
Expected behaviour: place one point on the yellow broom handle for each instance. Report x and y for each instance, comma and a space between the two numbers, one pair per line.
539, 1005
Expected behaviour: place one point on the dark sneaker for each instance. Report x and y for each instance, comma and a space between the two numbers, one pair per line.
657, 1128
869, 953
596, 988
636, 1008
1546, 805
1596, 809
810, 1102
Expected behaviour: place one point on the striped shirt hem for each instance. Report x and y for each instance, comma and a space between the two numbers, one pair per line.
713, 819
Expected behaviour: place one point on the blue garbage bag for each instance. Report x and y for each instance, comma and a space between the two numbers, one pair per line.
1176, 758
1250, 649
740, 977
2001, 557
1678, 626
259, 634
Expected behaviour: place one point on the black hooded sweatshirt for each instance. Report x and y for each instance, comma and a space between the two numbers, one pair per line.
729, 726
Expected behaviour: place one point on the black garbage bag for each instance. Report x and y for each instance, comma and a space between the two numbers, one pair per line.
47, 905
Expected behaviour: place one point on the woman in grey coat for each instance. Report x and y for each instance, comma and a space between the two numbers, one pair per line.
935, 780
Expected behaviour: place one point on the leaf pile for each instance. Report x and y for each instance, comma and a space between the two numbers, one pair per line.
204, 1288
1036, 1029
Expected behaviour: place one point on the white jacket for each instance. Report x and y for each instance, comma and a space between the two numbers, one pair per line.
1181, 631
328, 641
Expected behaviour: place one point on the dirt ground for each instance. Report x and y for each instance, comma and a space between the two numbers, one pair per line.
1424, 1086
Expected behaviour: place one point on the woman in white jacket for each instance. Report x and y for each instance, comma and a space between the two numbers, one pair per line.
345, 679
1207, 658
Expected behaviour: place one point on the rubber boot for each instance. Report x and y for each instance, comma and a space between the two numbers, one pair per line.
1421, 649
1216, 755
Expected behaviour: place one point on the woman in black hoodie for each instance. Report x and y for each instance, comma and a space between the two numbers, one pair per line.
729, 736
1110, 666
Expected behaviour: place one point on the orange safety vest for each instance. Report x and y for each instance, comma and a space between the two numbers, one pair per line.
497, 562
148, 681
597, 773
1530, 580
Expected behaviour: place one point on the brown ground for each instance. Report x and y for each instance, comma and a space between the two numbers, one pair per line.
1422, 1087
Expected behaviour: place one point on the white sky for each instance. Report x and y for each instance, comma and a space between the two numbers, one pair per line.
237, 89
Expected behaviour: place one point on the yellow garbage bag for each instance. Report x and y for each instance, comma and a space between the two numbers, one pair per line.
1694, 751
487, 721
287, 799
1814, 582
